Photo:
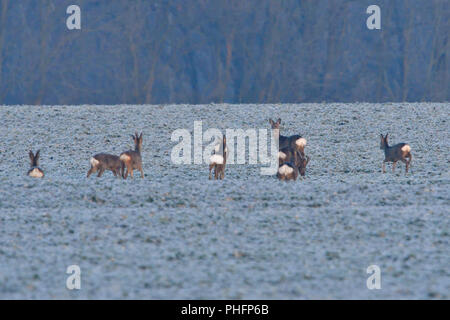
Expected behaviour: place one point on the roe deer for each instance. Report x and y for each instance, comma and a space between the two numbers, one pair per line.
102, 161
287, 171
295, 157
35, 171
400, 151
295, 141
132, 159
218, 160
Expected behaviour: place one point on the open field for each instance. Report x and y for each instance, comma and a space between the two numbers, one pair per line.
177, 235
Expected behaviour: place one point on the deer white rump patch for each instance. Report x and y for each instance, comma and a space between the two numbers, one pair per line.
125, 157
285, 170
217, 148
281, 155
36, 173
301, 142
216, 159
406, 148
94, 162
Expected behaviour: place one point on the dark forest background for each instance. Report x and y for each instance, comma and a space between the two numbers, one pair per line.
238, 51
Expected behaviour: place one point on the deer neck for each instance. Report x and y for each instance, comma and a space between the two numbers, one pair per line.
277, 135
386, 148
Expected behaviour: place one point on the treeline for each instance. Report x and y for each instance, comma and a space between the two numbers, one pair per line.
238, 51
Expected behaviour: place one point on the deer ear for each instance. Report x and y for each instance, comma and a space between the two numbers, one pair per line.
31, 155
38, 153
279, 120
271, 122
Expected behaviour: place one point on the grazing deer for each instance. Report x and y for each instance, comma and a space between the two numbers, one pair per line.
35, 171
295, 141
102, 161
218, 160
132, 159
400, 151
287, 171
295, 157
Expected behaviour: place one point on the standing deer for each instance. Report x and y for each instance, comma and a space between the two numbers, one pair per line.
35, 171
218, 160
102, 161
295, 141
132, 159
400, 151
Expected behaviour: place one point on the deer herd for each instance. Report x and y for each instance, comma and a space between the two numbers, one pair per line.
292, 160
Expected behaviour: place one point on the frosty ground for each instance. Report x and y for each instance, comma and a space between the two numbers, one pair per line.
177, 235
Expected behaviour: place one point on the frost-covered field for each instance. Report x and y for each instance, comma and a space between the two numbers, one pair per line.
175, 234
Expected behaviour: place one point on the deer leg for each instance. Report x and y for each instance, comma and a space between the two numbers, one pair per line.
131, 173
91, 171
216, 172
210, 168
142, 171
408, 164
122, 169
100, 172
125, 175
393, 166
222, 173
383, 167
